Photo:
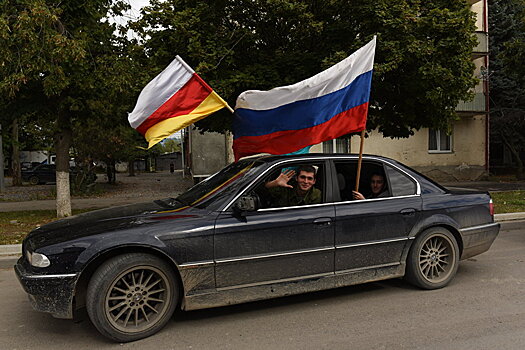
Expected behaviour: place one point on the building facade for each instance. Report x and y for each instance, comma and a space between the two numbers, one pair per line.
461, 155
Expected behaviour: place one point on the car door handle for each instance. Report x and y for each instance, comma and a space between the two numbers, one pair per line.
323, 221
409, 211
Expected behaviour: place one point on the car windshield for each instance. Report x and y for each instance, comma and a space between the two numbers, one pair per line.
220, 184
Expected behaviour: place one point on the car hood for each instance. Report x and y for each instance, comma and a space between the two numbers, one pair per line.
108, 220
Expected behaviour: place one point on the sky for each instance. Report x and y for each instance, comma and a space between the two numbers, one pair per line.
137, 5
132, 14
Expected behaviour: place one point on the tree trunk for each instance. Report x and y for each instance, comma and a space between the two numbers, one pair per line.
108, 171
131, 168
2, 179
15, 156
516, 155
111, 171
114, 171
62, 144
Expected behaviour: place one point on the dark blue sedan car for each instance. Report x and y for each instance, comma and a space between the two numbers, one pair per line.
46, 173
40, 174
226, 241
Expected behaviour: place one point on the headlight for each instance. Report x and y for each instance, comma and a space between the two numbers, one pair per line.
37, 259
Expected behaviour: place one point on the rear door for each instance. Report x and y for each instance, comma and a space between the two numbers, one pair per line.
372, 233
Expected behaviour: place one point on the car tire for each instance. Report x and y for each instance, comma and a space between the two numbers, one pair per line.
120, 301
433, 259
34, 180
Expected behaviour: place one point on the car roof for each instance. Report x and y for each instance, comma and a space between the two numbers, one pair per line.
272, 158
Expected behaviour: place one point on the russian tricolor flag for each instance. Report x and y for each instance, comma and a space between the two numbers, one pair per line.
174, 99
328, 105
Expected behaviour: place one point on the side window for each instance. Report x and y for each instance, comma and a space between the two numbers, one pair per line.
306, 181
401, 185
372, 181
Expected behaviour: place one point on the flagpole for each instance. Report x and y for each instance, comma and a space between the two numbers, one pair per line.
359, 161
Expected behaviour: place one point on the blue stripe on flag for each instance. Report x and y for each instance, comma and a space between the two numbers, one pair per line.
302, 114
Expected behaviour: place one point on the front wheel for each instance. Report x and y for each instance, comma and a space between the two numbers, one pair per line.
132, 296
433, 259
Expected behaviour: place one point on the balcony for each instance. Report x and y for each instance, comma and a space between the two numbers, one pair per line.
482, 49
477, 106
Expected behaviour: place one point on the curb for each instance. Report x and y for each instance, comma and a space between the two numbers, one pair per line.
10, 249
509, 217
9, 253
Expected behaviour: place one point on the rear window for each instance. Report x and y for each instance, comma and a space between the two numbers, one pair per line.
400, 184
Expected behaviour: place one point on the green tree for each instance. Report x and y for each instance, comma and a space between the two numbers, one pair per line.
113, 144
168, 146
65, 54
32, 46
507, 76
423, 61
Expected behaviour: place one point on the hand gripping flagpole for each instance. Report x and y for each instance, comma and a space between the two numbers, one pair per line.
357, 178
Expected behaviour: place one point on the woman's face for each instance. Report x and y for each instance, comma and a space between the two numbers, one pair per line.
377, 183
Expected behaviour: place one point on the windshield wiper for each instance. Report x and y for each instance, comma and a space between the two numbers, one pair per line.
169, 203
176, 200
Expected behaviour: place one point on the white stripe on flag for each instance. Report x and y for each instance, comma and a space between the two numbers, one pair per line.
159, 90
333, 79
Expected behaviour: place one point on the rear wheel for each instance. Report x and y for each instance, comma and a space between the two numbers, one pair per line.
132, 296
433, 259
34, 180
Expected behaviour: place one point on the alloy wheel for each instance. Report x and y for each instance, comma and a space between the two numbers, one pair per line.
436, 258
137, 299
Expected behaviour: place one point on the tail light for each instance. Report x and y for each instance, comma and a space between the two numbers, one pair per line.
491, 207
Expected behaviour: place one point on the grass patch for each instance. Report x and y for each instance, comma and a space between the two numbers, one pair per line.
509, 201
15, 225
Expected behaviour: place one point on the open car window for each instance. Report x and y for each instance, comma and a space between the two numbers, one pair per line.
346, 172
396, 183
279, 197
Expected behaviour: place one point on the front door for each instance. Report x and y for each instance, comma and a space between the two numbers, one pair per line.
276, 243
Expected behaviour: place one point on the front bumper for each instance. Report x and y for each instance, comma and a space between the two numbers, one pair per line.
478, 239
48, 293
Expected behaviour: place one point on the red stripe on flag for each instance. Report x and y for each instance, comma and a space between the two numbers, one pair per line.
182, 102
282, 142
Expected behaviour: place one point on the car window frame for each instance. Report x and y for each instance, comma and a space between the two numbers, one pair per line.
327, 186
332, 186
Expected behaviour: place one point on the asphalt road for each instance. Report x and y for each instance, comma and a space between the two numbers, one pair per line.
483, 308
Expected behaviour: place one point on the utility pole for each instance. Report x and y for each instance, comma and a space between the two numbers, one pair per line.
2, 185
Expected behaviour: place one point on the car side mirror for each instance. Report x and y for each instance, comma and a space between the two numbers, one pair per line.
247, 203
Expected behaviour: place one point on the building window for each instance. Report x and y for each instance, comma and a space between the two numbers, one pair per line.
336, 146
439, 141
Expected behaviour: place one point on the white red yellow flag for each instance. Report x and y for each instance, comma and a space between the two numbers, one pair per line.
174, 99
